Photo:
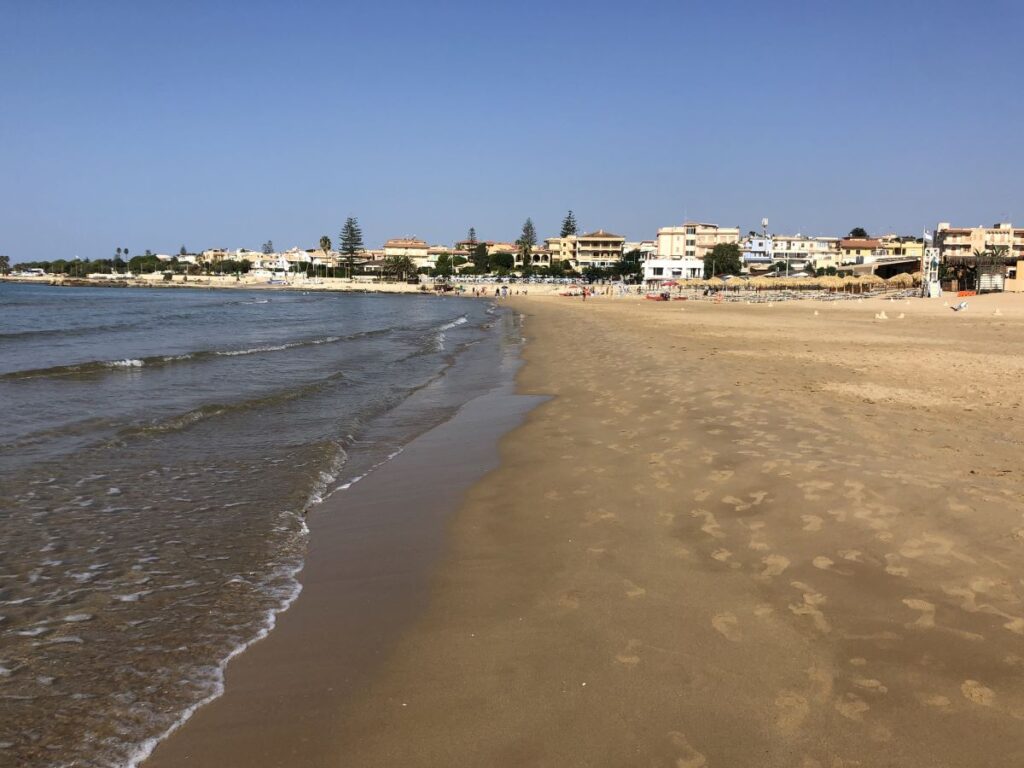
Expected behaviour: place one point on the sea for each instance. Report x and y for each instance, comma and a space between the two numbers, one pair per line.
160, 450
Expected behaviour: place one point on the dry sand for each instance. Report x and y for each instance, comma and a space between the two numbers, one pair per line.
736, 536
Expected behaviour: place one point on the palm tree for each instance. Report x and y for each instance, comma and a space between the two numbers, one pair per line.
399, 266
325, 246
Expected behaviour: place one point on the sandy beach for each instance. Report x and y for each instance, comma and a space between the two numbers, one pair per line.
787, 535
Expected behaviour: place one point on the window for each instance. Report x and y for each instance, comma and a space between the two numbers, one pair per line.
658, 271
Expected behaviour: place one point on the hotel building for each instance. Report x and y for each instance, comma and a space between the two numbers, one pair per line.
693, 239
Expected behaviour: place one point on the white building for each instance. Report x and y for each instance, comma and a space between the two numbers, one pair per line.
800, 251
648, 248
659, 270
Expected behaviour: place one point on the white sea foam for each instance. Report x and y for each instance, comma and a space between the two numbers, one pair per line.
352, 481
130, 363
290, 573
456, 322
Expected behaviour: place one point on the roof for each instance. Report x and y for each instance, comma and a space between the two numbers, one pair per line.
405, 242
860, 243
602, 234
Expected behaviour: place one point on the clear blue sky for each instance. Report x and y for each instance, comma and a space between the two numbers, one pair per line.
152, 125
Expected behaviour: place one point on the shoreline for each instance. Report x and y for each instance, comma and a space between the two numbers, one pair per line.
702, 552
666, 568
376, 534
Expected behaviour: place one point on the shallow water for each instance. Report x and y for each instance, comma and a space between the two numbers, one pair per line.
158, 451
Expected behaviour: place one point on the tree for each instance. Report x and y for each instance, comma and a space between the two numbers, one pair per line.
859, 232
471, 240
5, 264
527, 240
325, 247
479, 258
183, 251
568, 225
350, 242
502, 262
724, 259
444, 266
268, 247
399, 266
631, 268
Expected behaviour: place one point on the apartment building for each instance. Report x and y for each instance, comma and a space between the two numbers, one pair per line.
964, 241
599, 249
596, 249
902, 247
561, 248
693, 239
800, 251
860, 250
413, 247
539, 257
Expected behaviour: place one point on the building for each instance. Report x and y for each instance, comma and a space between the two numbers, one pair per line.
860, 250
562, 248
964, 241
539, 257
802, 252
493, 248
902, 247
693, 239
757, 250
658, 270
599, 249
648, 248
413, 247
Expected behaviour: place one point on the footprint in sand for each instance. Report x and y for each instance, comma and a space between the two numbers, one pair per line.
977, 693
763, 609
809, 606
853, 555
721, 475
870, 684
711, 526
570, 599
812, 523
852, 706
811, 489
933, 699
628, 657
633, 591
700, 494
686, 755
774, 565
791, 709
823, 563
927, 618
893, 568
727, 625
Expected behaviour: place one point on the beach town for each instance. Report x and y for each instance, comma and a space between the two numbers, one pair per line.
690, 255
511, 385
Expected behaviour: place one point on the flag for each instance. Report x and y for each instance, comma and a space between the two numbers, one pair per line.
928, 236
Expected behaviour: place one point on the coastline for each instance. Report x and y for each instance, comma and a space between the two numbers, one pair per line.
371, 546
734, 536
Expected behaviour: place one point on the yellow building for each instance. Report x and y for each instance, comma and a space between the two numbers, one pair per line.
964, 241
693, 239
902, 247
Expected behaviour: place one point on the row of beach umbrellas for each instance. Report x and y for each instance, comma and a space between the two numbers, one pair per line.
825, 282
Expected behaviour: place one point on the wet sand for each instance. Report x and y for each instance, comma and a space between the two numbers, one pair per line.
736, 536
